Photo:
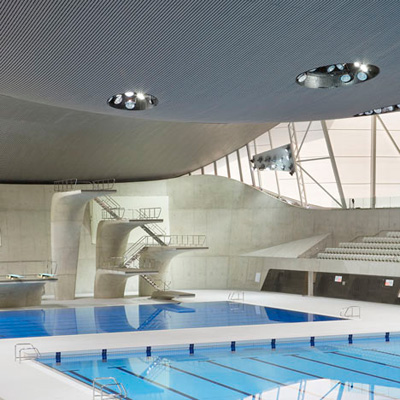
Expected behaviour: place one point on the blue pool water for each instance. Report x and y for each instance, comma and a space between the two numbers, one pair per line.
368, 371
129, 318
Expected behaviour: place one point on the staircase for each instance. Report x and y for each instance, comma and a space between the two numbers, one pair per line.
110, 208
371, 248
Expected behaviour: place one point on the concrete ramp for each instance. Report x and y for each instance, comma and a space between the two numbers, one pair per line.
295, 249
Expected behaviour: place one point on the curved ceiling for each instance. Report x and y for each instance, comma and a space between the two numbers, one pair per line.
41, 144
223, 71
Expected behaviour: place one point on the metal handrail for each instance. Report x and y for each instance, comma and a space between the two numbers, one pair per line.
65, 185
103, 184
178, 240
20, 347
106, 391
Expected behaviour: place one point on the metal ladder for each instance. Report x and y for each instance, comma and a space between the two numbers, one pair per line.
110, 389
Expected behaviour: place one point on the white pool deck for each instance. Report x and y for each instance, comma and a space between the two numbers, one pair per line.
29, 380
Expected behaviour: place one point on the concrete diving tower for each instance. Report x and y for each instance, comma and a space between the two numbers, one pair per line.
112, 264
159, 258
67, 211
153, 252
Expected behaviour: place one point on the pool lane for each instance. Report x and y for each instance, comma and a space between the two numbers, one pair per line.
328, 373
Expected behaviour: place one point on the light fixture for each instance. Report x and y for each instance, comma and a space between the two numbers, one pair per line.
362, 76
132, 101
380, 110
278, 159
337, 75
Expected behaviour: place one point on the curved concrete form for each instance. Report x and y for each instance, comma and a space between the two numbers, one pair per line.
67, 210
159, 258
111, 243
110, 283
112, 239
21, 293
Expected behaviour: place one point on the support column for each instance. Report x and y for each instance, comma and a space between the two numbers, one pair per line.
310, 283
111, 244
67, 211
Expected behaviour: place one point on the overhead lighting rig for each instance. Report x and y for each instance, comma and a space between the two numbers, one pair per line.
337, 75
132, 101
380, 110
278, 159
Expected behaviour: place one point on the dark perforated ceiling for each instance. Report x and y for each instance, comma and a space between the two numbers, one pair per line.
207, 62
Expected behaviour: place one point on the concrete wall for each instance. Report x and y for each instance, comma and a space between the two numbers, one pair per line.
236, 218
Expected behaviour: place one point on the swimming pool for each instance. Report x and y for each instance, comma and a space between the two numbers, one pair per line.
330, 370
130, 318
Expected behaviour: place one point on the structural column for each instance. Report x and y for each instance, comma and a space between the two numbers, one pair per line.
67, 211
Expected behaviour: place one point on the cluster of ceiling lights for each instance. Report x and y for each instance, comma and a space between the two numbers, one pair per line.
337, 75
132, 101
278, 159
380, 110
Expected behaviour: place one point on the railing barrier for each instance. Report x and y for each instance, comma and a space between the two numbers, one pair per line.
25, 351
237, 296
351, 312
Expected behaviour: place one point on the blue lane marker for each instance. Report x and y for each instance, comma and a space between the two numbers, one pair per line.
345, 368
208, 380
156, 383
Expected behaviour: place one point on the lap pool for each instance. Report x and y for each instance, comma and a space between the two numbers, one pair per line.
131, 318
364, 370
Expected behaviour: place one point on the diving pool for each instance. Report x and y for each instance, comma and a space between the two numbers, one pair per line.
131, 318
330, 370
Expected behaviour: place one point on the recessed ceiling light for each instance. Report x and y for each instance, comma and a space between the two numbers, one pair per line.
377, 110
337, 75
133, 101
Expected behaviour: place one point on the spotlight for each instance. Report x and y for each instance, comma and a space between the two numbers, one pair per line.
129, 94
130, 104
364, 68
369, 112
357, 64
301, 78
340, 67
118, 99
377, 110
331, 68
362, 76
346, 78
140, 96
